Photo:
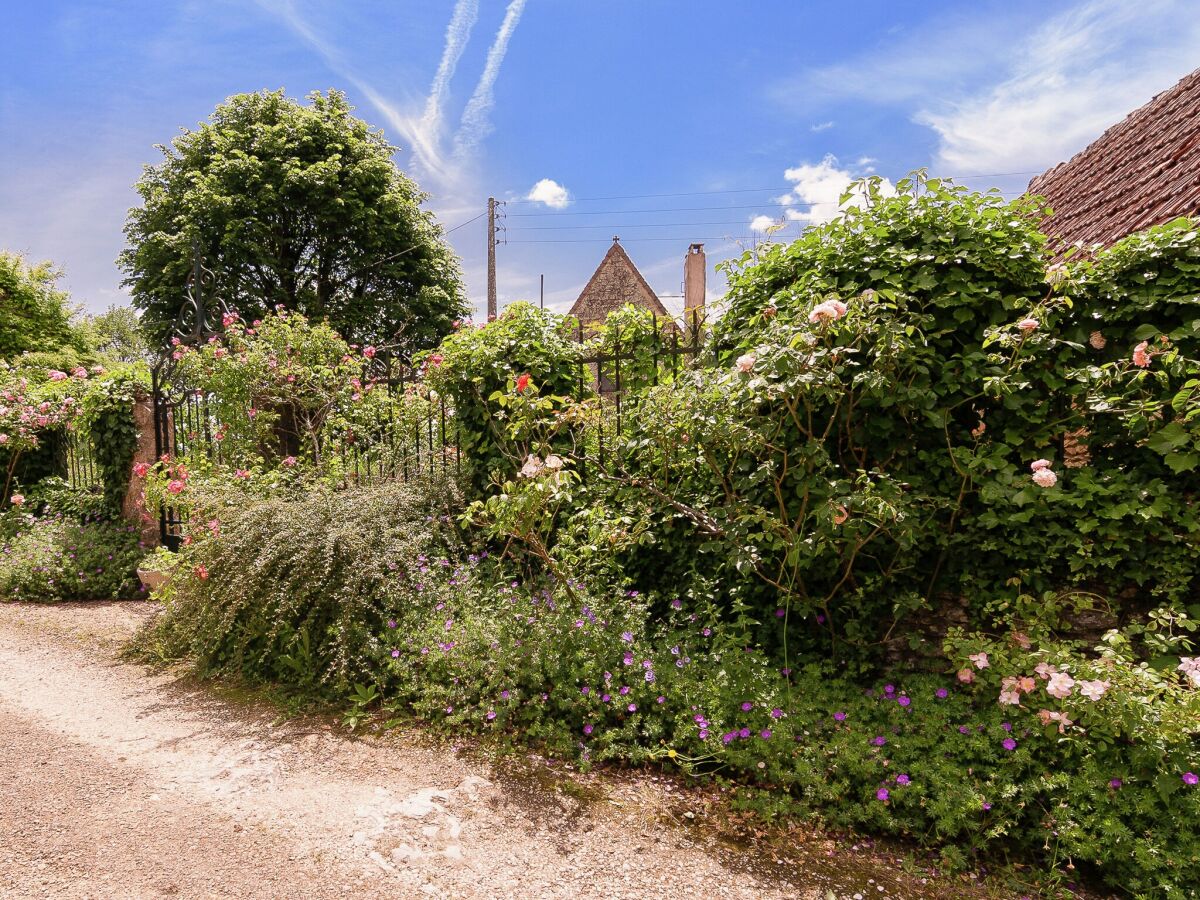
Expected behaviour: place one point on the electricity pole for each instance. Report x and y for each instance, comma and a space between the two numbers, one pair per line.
491, 259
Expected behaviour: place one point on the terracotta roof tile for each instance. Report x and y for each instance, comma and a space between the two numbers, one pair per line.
1141, 172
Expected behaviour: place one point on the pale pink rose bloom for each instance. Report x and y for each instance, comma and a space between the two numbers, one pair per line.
175, 487
1026, 684
3, 438
966, 676
1021, 639
745, 363
1093, 690
79, 372
1028, 325
17, 499
56, 375
1060, 685
533, 465
1141, 358
1010, 698
827, 311
1190, 667
553, 462
1045, 478
979, 659
1097, 340
1038, 464
289, 461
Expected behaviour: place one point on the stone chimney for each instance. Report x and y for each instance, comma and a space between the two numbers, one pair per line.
694, 274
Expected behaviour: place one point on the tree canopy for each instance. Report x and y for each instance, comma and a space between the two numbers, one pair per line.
293, 205
35, 316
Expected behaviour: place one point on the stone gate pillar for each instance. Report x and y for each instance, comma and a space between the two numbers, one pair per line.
134, 508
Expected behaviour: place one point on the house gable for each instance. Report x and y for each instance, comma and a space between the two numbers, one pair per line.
615, 283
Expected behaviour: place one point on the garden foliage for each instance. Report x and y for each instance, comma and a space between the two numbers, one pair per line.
904, 419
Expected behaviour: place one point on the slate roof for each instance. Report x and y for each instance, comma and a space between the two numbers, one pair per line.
1141, 172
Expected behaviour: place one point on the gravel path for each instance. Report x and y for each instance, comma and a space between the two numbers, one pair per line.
116, 782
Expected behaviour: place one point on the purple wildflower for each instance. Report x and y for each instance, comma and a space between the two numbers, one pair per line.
676, 604
839, 716
624, 690
395, 654
1007, 726
942, 693
744, 733
882, 794
904, 701
879, 740
747, 706
491, 714
765, 734
633, 707
1191, 778
1009, 744
627, 636
1115, 784
902, 779
587, 729
777, 713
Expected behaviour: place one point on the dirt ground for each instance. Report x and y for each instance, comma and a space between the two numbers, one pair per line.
116, 781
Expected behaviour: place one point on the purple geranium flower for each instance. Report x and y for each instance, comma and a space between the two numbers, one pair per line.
942, 693
1009, 744
587, 729
879, 740
1191, 778
747, 706
839, 716
904, 701
777, 713
882, 794
902, 779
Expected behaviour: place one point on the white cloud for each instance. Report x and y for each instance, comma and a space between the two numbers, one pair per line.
1082, 71
476, 124
762, 223
821, 126
551, 193
818, 187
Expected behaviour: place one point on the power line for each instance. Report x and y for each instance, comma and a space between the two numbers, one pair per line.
784, 188
631, 240
663, 209
611, 226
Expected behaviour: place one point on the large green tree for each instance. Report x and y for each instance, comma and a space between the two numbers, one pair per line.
34, 315
298, 205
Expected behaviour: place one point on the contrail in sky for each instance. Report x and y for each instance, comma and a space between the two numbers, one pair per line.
466, 12
475, 124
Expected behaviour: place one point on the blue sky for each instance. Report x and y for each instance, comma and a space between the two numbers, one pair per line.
685, 121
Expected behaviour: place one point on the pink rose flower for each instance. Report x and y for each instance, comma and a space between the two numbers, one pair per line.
1093, 690
827, 311
1044, 670
745, 363
1141, 358
1045, 478
369, 352
1060, 685
1028, 325
141, 469
17, 499
1038, 464
289, 461
1097, 340
56, 375
979, 659
176, 486
966, 676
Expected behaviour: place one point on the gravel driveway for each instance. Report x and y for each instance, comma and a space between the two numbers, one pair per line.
118, 782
